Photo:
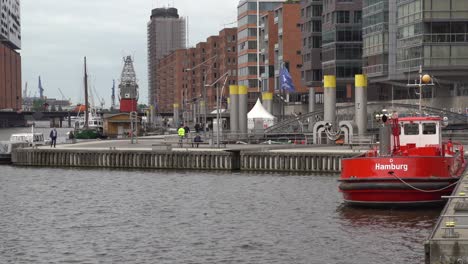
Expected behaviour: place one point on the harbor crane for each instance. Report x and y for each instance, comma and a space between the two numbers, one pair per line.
63, 96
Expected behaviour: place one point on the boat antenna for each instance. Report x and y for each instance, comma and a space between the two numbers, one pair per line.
86, 94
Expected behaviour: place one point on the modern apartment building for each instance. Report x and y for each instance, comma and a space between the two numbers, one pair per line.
342, 43
10, 59
311, 16
10, 24
247, 20
402, 36
280, 47
166, 33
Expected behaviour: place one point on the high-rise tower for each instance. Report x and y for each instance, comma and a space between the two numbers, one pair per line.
166, 33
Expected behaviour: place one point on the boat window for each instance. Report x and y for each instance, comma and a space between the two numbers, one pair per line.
429, 128
411, 129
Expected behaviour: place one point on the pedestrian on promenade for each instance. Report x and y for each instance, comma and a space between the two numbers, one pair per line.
181, 133
187, 130
197, 128
53, 137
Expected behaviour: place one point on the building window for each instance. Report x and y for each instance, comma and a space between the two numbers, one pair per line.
357, 17
342, 17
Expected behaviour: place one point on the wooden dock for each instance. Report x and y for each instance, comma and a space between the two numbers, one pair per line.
448, 242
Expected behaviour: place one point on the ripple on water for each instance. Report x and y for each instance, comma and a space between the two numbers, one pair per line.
113, 216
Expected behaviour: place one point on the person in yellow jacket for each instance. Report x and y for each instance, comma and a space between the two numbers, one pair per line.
181, 133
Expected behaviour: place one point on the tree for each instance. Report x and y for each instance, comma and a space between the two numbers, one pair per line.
38, 105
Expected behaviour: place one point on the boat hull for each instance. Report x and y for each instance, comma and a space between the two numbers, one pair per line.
399, 180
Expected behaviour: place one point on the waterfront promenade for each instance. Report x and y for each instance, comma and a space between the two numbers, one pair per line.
165, 153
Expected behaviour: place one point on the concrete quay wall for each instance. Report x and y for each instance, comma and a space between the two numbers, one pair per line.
123, 159
292, 162
199, 160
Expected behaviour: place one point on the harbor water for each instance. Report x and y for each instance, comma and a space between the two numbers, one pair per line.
115, 216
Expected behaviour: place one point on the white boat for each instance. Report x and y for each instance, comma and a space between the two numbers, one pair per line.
94, 121
32, 138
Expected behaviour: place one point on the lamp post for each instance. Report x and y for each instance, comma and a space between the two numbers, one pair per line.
218, 102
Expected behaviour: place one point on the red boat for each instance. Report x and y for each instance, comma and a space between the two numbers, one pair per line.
411, 166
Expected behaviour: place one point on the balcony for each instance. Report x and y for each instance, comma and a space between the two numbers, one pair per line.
266, 61
276, 46
266, 37
262, 51
446, 38
375, 70
280, 31
276, 20
280, 58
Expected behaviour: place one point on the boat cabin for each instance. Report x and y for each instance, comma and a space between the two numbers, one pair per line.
420, 131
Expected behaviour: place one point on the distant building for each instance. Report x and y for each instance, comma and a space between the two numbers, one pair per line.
166, 33
185, 75
10, 59
247, 43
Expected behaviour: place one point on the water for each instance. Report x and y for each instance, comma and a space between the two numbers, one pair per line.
114, 216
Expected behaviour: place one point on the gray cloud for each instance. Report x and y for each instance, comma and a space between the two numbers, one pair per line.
57, 34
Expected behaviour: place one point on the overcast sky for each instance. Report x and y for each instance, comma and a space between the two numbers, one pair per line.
57, 34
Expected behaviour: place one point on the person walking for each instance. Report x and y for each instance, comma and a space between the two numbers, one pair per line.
181, 133
187, 130
53, 137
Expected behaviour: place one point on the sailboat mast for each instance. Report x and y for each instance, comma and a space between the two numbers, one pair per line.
86, 94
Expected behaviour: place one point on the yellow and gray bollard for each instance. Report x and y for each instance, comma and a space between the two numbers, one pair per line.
234, 108
267, 100
243, 101
360, 95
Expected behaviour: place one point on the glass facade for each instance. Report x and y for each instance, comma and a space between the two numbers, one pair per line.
375, 30
342, 43
311, 14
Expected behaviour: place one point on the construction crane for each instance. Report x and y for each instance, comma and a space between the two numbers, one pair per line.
41, 90
113, 94
63, 96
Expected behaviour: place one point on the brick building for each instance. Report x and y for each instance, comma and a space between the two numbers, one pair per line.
247, 43
281, 44
171, 79
187, 74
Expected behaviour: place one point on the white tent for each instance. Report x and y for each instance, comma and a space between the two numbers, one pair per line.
259, 114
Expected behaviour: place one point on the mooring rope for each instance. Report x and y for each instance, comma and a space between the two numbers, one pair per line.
421, 190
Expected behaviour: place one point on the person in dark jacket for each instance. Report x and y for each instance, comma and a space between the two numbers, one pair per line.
196, 140
187, 130
53, 137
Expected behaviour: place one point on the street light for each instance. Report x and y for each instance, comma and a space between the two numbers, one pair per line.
218, 102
